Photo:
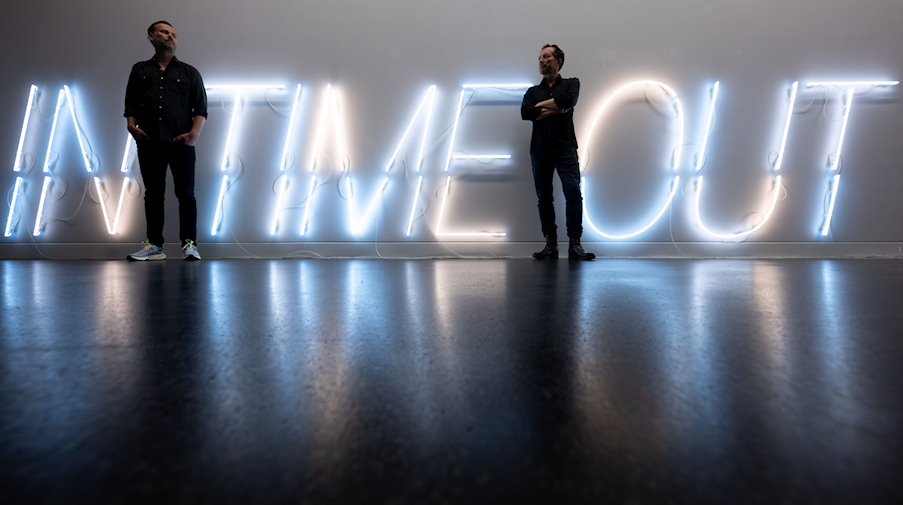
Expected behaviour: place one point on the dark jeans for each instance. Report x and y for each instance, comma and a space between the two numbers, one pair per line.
544, 166
153, 157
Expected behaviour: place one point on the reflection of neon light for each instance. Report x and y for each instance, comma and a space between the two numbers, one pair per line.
474, 234
473, 88
31, 93
834, 159
39, 218
244, 87
428, 98
847, 84
507, 86
218, 215
482, 157
676, 153
283, 163
776, 183
12, 208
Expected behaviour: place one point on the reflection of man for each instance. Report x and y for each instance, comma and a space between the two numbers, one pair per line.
550, 106
166, 106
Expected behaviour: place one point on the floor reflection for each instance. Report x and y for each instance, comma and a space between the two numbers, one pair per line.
554, 379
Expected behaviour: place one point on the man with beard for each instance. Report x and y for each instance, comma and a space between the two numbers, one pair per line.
550, 106
165, 109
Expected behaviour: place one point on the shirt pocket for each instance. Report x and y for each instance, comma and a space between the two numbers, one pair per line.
148, 91
178, 84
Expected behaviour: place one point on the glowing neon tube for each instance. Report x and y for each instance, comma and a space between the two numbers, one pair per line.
835, 159
414, 206
31, 95
676, 154
776, 178
826, 227
473, 89
103, 208
359, 224
122, 192
40, 217
56, 115
325, 106
218, 215
78, 130
283, 162
12, 207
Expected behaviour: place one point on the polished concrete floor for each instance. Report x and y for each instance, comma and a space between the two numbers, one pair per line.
451, 381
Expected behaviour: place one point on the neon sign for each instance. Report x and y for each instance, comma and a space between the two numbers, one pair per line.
674, 162
330, 129
775, 168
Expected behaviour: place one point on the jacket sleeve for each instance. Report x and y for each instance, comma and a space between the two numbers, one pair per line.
528, 110
133, 94
198, 96
568, 98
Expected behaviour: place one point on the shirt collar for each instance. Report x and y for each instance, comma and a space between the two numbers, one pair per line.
556, 83
175, 61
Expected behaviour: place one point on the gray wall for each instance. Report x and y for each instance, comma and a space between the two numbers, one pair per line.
382, 56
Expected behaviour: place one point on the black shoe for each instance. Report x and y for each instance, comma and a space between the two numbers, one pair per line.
576, 252
549, 252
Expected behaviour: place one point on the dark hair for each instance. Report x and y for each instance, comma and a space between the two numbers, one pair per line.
558, 54
150, 29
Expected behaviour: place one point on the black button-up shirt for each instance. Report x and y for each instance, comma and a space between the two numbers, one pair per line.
165, 102
555, 133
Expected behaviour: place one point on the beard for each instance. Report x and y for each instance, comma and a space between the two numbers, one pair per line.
164, 47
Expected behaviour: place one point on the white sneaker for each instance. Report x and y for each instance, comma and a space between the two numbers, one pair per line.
190, 251
149, 252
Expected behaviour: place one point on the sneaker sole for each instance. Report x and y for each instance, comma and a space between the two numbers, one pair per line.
191, 258
153, 257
